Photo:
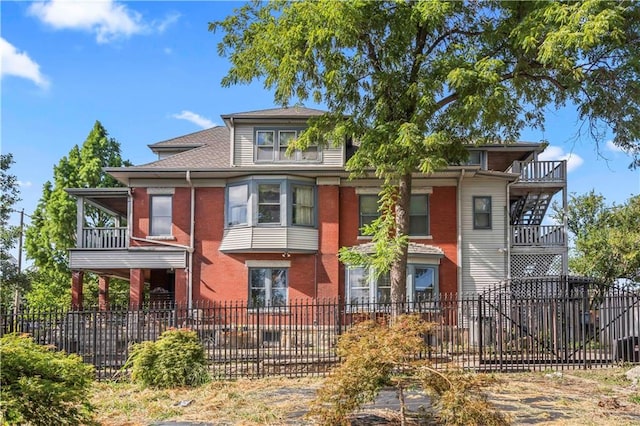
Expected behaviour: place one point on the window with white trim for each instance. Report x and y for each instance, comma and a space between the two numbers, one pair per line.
269, 203
482, 212
418, 213
365, 286
271, 145
268, 287
160, 215
237, 199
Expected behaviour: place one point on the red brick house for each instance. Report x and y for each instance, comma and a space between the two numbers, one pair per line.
224, 214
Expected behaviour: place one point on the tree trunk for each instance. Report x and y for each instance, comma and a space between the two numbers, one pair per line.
399, 267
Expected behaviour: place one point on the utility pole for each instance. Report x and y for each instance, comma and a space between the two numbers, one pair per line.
16, 296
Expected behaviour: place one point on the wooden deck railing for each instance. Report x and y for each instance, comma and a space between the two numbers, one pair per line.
540, 171
538, 235
104, 238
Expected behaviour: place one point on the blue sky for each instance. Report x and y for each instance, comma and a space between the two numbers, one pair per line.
149, 71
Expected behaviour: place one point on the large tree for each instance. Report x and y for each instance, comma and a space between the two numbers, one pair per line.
606, 238
413, 81
12, 278
53, 225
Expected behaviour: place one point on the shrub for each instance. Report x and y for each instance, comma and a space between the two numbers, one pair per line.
373, 355
41, 386
177, 358
458, 397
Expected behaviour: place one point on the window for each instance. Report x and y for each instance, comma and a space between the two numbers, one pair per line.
160, 215
237, 196
264, 145
272, 144
270, 202
476, 158
481, 212
268, 287
364, 286
302, 205
418, 213
368, 209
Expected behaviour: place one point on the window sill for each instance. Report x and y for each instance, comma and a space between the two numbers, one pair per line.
421, 237
161, 237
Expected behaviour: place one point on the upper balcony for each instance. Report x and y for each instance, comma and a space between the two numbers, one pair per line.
540, 174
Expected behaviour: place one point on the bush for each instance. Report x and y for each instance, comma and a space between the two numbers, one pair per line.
42, 387
177, 358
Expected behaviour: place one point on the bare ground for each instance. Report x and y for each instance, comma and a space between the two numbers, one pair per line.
576, 397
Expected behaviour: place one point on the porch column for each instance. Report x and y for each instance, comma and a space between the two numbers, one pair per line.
136, 287
103, 293
77, 278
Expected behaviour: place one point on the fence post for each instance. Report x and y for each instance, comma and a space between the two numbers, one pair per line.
480, 349
257, 341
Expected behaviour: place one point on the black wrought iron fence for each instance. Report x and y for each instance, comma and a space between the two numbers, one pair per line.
500, 330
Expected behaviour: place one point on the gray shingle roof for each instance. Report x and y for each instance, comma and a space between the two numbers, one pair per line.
291, 112
213, 152
191, 140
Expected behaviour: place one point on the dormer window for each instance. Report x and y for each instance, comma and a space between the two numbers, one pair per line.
271, 145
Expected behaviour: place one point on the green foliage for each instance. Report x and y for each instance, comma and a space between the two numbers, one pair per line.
413, 82
42, 387
606, 238
177, 358
373, 355
53, 225
12, 279
458, 398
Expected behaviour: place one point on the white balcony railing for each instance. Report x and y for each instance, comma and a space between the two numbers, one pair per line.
540, 171
538, 235
104, 238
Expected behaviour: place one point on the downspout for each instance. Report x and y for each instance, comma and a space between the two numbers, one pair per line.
191, 248
459, 226
509, 231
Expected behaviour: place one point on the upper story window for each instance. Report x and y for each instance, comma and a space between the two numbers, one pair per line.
418, 212
482, 212
269, 202
271, 145
477, 158
160, 215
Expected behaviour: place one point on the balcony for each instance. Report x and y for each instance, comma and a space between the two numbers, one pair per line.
538, 236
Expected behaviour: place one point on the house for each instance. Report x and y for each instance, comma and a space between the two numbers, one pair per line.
225, 215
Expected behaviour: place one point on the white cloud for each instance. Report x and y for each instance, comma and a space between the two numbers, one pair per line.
168, 50
19, 64
553, 153
106, 18
612, 147
25, 184
196, 119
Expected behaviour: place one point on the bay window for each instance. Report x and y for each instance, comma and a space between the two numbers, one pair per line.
363, 285
269, 202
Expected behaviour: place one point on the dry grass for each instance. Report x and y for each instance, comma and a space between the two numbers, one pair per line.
576, 397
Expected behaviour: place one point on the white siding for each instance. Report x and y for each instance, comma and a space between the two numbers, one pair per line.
483, 250
269, 239
243, 149
124, 259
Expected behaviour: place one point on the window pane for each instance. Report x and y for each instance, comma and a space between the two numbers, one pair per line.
418, 205
237, 213
265, 153
286, 137
257, 287
482, 212
482, 220
368, 209
358, 285
269, 203
302, 201
424, 281
160, 221
383, 288
264, 138
482, 204
311, 153
278, 287
418, 225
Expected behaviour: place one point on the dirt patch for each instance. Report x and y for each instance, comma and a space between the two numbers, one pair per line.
594, 397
